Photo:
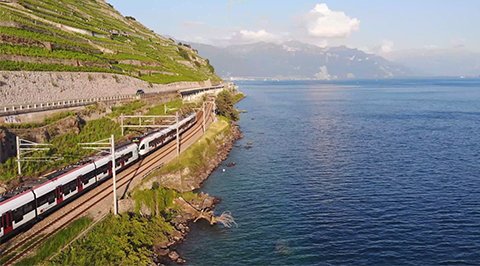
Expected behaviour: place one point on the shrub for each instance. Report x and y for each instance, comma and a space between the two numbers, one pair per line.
225, 101
183, 54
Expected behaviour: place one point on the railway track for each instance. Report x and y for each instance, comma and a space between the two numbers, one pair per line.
78, 207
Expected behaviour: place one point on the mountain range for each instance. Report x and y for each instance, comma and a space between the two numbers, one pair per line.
296, 60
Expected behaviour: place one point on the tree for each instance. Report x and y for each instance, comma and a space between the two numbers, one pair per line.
224, 102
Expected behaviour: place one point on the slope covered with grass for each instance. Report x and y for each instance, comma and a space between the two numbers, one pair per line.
90, 35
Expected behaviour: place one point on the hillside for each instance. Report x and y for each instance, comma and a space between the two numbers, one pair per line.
296, 60
91, 36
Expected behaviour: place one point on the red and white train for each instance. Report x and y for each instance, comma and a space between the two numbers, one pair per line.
35, 200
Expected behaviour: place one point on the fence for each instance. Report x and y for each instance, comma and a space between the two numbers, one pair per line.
37, 107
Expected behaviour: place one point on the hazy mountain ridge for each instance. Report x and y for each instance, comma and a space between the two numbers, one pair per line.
298, 60
440, 62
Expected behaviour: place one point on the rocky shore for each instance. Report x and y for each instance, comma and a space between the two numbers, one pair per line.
190, 210
201, 208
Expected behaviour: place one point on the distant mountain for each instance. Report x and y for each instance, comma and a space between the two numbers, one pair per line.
296, 60
440, 62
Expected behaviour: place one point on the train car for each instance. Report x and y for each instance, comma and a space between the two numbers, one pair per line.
63, 185
35, 199
154, 140
124, 156
16, 209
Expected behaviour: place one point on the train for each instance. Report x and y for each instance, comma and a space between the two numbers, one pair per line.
34, 200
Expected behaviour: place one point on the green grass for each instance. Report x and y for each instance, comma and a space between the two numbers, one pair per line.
53, 244
66, 146
23, 66
127, 109
117, 240
42, 52
160, 109
195, 157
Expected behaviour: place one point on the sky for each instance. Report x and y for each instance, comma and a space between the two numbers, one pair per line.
373, 26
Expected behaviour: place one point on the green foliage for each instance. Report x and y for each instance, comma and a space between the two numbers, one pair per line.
90, 16
117, 240
197, 64
42, 52
238, 97
19, 66
67, 146
225, 101
157, 199
160, 109
127, 109
196, 156
53, 244
184, 54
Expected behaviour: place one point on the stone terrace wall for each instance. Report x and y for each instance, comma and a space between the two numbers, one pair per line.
29, 87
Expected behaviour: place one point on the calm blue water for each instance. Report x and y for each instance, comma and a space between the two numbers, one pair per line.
374, 173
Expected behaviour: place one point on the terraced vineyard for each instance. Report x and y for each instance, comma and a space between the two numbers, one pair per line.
90, 35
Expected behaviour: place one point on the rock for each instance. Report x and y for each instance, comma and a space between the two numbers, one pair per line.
253, 118
249, 143
162, 252
231, 164
179, 260
163, 244
248, 147
180, 227
173, 256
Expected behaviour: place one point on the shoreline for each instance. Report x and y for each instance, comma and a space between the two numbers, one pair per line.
166, 252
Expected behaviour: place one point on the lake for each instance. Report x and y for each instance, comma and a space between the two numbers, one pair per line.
349, 173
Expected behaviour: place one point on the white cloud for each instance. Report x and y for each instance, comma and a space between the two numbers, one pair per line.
321, 22
387, 46
256, 36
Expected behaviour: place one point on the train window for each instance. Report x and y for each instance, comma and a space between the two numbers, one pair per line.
18, 215
102, 170
42, 200
69, 187
86, 178
51, 197
143, 147
29, 207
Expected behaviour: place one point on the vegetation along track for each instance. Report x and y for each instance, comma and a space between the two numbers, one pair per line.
68, 213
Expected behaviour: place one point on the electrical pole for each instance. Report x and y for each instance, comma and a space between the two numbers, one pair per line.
112, 141
178, 136
121, 117
107, 145
25, 147
18, 156
203, 122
